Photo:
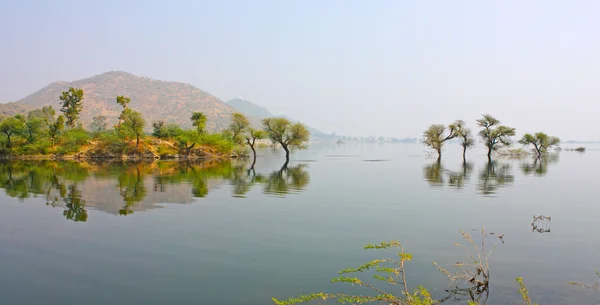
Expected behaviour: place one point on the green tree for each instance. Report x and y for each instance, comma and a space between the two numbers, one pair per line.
188, 139
33, 125
493, 134
72, 104
239, 124
465, 135
55, 128
11, 127
287, 134
199, 121
133, 125
434, 137
99, 123
123, 101
541, 142
158, 129
251, 137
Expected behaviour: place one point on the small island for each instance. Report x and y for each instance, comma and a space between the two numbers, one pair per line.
45, 134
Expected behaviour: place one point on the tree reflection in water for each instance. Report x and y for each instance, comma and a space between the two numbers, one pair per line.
494, 176
436, 175
538, 166
122, 187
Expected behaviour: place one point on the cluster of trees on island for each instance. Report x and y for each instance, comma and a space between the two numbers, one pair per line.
493, 135
42, 132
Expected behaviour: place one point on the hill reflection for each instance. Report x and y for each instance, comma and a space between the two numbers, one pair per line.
124, 188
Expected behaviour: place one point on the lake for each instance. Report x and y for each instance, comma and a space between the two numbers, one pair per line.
173, 232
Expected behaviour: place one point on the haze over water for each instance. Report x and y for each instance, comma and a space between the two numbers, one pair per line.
216, 233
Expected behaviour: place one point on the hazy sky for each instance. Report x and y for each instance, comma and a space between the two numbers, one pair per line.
354, 67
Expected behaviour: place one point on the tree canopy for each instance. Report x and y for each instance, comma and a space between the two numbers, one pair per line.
72, 104
434, 136
287, 134
541, 142
199, 121
494, 135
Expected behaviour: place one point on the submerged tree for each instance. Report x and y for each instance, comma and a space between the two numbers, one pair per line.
465, 135
434, 137
287, 134
199, 121
494, 135
541, 142
251, 137
72, 104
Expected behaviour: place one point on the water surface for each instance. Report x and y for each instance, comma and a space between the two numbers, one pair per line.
220, 233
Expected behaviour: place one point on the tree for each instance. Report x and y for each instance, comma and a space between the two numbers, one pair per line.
123, 101
494, 135
540, 141
434, 137
72, 104
99, 123
33, 125
239, 124
55, 128
465, 135
199, 121
188, 139
133, 125
158, 129
287, 134
11, 127
251, 138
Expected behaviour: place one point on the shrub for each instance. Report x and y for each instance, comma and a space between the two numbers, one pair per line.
220, 142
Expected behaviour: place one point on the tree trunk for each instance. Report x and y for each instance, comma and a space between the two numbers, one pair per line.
489, 154
8, 144
287, 154
254, 154
464, 153
137, 143
439, 151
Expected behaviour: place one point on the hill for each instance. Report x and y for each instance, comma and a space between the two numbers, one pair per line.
256, 113
249, 109
172, 102
12, 108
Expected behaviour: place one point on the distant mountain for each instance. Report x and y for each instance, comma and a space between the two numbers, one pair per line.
172, 102
249, 109
256, 113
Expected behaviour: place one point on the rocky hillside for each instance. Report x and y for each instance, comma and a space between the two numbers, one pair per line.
172, 102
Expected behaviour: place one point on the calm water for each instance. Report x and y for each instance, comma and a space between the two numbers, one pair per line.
216, 233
